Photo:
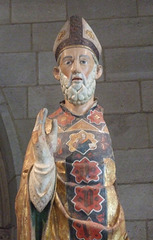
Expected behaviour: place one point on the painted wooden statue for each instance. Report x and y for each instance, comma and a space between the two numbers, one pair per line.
67, 189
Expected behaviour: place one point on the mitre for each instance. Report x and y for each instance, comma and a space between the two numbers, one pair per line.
76, 32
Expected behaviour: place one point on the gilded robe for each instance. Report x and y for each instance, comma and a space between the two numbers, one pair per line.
85, 204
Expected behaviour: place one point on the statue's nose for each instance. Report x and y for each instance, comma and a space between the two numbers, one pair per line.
75, 67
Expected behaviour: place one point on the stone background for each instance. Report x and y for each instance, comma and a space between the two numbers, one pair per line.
125, 28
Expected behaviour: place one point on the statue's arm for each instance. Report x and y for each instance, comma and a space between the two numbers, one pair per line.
42, 177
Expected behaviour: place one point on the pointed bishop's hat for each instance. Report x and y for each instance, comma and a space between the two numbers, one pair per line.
76, 32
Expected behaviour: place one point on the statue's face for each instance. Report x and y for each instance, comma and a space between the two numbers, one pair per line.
76, 60
77, 74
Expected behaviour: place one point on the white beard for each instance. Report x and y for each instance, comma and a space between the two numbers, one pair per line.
79, 92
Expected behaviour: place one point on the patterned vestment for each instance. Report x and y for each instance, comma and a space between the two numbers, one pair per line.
85, 205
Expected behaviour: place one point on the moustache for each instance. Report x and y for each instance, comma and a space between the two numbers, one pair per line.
78, 77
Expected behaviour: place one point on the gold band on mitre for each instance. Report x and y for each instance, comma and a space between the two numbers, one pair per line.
76, 32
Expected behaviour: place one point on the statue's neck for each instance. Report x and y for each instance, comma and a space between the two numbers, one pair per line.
79, 109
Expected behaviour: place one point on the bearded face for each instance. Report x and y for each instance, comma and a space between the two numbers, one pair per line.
78, 89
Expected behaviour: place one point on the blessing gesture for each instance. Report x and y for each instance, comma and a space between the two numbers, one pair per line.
44, 143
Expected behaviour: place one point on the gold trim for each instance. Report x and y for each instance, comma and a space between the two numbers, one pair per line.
90, 34
61, 35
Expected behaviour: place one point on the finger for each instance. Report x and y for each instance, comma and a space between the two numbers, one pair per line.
45, 112
54, 127
35, 129
34, 137
37, 122
52, 136
48, 125
41, 121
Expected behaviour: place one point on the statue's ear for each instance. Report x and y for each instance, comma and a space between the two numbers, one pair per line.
56, 73
99, 71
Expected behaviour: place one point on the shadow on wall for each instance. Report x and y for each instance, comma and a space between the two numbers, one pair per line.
10, 169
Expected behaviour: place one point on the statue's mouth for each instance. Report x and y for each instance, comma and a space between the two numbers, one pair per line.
76, 79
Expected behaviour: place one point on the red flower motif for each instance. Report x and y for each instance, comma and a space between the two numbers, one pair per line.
59, 146
100, 217
86, 231
85, 170
96, 117
88, 199
78, 155
65, 119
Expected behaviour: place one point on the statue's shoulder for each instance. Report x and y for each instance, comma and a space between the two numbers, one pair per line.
99, 108
56, 113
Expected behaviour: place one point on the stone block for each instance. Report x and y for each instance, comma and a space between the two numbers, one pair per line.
136, 230
38, 11
2, 100
137, 201
5, 205
119, 97
102, 9
17, 181
15, 38
123, 32
5, 149
45, 96
129, 63
17, 69
12, 186
10, 148
150, 230
46, 64
44, 35
4, 11
24, 129
5, 234
17, 100
145, 8
134, 166
14, 232
128, 130
150, 119
147, 95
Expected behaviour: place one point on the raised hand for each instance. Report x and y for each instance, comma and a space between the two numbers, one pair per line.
44, 144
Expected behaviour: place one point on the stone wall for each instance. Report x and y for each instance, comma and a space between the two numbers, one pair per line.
125, 29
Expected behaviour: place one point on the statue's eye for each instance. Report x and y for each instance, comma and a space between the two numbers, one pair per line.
84, 62
68, 62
